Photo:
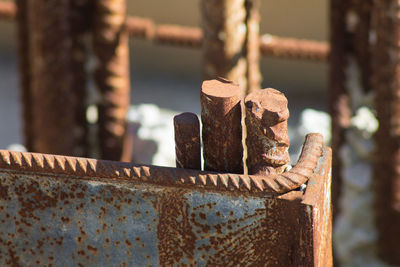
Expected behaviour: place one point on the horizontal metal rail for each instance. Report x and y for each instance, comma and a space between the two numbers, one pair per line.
177, 35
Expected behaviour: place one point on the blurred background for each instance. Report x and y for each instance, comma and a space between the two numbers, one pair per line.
170, 77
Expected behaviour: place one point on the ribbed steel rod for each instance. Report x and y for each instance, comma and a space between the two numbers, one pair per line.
110, 44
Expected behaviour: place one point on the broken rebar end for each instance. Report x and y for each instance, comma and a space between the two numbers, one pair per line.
268, 102
220, 88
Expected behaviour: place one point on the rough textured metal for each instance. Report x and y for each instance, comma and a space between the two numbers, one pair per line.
24, 62
339, 98
294, 48
187, 141
90, 168
178, 35
222, 130
386, 83
267, 137
110, 44
8, 10
224, 44
253, 45
53, 102
70, 211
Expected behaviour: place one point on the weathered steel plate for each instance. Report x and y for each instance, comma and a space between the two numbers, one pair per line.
51, 218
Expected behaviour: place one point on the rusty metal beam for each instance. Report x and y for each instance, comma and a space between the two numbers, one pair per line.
70, 211
386, 83
187, 141
110, 44
267, 136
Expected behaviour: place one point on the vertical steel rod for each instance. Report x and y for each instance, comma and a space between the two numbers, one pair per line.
222, 131
224, 44
253, 45
267, 137
187, 141
110, 42
386, 82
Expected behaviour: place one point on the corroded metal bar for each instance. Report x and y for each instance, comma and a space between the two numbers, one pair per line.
110, 43
91, 168
283, 47
101, 220
53, 103
8, 10
339, 98
253, 45
178, 35
24, 62
222, 131
267, 137
386, 83
187, 141
224, 26
193, 37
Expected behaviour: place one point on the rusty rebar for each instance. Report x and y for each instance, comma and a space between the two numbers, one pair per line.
386, 83
53, 102
187, 141
339, 98
110, 44
73, 166
193, 37
222, 131
267, 137
253, 45
224, 43
24, 62
293, 48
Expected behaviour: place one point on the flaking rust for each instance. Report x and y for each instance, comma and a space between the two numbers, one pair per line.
267, 138
110, 44
187, 141
222, 131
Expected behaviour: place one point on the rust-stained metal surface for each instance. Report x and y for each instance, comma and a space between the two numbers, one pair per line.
53, 104
386, 83
73, 211
110, 44
187, 141
267, 136
222, 130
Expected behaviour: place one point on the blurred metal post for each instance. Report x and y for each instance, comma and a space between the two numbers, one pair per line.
110, 43
386, 83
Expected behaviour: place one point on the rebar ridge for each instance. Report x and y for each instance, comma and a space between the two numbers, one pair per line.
187, 141
267, 137
110, 43
222, 131
224, 28
92, 168
53, 103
